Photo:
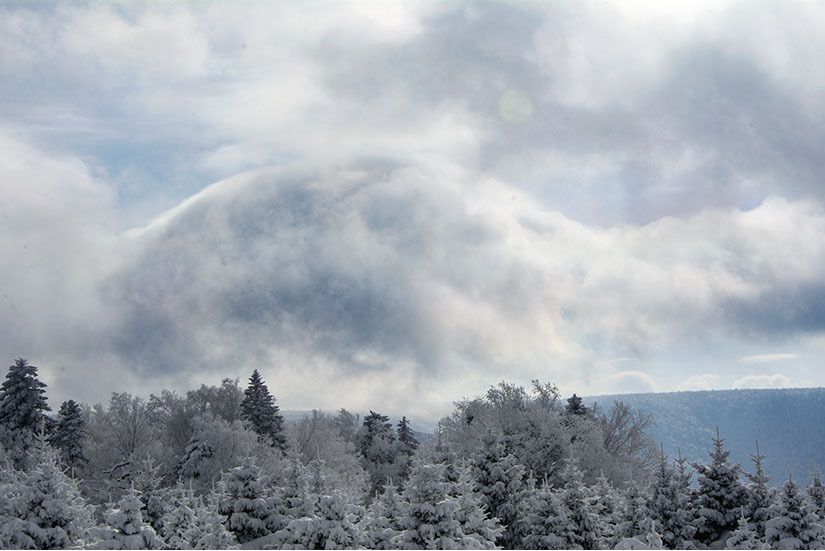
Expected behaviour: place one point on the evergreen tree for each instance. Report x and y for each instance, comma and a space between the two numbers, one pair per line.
407, 443
430, 521
744, 537
46, 506
575, 406
259, 410
69, 435
544, 523
500, 480
22, 407
667, 507
816, 494
480, 531
635, 511
583, 525
246, 502
208, 531
179, 519
794, 524
191, 465
760, 498
721, 495
148, 483
334, 526
606, 503
378, 450
126, 527
382, 522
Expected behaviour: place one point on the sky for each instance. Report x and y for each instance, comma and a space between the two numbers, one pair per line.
386, 205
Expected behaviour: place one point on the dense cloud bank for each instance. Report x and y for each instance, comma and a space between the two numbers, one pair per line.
612, 197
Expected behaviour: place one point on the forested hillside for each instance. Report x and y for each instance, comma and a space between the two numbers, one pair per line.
787, 422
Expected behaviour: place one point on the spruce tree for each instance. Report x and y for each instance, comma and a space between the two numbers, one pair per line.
744, 537
816, 493
635, 511
480, 531
606, 504
430, 521
69, 435
500, 480
378, 450
721, 495
22, 407
760, 498
382, 522
258, 408
148, 483
794, 524
583, 525
543, 522
667, 506
246, 502
407, 442
208, 531
126, 527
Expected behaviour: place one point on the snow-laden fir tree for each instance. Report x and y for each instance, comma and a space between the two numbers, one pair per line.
430, 521
382, 523
760, 497
247, 502
334, 526
583, 524
126, 528
69, 435
208, 531
744, 537
258, 408
816, 493
378, 450
192, 465
407, 442
667, 506
500, 480
180, 518
148, 482
480, 530
22, 407
543, 520
635, 511
721, 495
606, 503
43, 508
794, 524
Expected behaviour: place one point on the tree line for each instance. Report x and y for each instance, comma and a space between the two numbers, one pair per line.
220, 467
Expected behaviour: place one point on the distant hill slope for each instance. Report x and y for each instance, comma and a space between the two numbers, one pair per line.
789, 424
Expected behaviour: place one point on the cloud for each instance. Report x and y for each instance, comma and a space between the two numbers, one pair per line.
762, 381
767, 358
625, 382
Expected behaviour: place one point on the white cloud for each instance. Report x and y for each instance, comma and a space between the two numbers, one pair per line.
762, 381
625, 382
767, 358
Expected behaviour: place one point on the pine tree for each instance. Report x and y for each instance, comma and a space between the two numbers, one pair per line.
816, 493
126, 527
583, 525
336, 523
69, 435
208, 531
635, 511
49, 511
760, 499
407, 442
259, 410
605, 502
721, 495
575, 406
500, 480
197, 452
22, 407
382, 522
179, 518
378, 450
430, 521
148, 483
744, 537
667, 506
480, 531
794, 524
246, 502
543, 522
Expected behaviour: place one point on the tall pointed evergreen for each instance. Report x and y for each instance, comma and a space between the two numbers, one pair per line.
794, 525
259, 410
816, 493
721, 495
407, 443
760, 500
69, 435
22, 406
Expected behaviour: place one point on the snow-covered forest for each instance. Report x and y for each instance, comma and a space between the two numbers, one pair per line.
515, 468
